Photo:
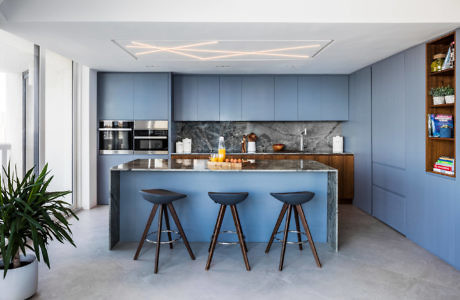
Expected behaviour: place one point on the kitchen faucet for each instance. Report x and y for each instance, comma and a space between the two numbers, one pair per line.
303, 136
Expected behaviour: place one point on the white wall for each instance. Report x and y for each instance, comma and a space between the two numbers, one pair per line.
57, 122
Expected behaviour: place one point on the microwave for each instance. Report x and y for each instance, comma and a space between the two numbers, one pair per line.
115, 137
151, 137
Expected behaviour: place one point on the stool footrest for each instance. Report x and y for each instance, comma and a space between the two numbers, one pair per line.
292, 243
163, 231
228, 243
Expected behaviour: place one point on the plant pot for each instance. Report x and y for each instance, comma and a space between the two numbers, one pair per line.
445, 132
450, 99
438, 100
20, 283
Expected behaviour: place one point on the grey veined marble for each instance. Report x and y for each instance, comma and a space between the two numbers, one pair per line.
205, 135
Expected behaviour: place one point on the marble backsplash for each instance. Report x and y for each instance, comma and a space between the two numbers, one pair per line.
205, 135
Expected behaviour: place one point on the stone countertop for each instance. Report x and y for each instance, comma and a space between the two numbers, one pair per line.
200, 165
270, 153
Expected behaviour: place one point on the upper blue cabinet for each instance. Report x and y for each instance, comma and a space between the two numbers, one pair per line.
258, 98
230, 98
323, 98
286, 98
115, 96
196, 98
133, 96
151, 96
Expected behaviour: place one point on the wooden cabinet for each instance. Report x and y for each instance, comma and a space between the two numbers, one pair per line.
344, 163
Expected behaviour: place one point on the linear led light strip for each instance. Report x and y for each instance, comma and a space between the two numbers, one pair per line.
227, 53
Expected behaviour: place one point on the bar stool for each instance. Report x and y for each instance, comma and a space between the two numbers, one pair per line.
293, 201
164, 199
228, 199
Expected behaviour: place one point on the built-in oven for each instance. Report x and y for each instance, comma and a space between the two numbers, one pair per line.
115, 137
151, 137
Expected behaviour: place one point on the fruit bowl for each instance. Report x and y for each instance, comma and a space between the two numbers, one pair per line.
278, 147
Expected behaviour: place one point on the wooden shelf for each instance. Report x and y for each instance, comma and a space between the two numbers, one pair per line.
436, 147
437, 173
442, 139
450, 71
443, 105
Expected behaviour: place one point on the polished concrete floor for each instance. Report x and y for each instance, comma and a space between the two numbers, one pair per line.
374, 262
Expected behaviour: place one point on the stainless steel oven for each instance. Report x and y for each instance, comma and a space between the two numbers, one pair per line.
151, 137
115, 137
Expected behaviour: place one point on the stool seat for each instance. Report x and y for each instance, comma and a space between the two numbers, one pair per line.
160, 196
294, 198
227, 198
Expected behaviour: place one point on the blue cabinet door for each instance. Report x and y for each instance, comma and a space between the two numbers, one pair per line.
230, 98
151, 96
115, 96
286, 98
334, 98
323, 98
309, 98
185, 98
208, 98
258, 98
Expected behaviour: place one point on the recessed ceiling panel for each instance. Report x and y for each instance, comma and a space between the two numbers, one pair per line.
216, 50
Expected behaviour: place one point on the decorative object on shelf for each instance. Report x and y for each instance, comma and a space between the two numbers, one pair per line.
30, 217
243, 144
252, 137
278, 147
337, 144
438, 95
450, 58
449, 95
445, 131
445, 165
438, 60
437, 122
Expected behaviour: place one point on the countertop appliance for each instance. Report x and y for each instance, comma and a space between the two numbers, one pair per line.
151, 137
115, 137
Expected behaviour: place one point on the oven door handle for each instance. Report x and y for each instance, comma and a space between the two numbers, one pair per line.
115, 129
150, 137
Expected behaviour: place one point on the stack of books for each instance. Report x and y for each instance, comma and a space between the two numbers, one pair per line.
445, 165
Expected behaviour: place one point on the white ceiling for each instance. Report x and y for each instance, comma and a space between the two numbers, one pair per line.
84, 31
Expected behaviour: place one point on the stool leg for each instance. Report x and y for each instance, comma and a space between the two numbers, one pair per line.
146, 230
157, 252
297, 228
277, 225
165, 211
216, 235
181, 230
307, 231
215, 227
239, 222
286, 232
240, 236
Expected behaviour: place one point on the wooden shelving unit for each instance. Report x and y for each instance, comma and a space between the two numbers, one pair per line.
436, 147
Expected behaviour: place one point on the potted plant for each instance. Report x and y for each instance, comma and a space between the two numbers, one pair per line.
445, 131
438, 95
30, 217
449, 94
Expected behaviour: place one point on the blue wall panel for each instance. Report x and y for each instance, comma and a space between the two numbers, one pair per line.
389, 178
357, 134
389, 208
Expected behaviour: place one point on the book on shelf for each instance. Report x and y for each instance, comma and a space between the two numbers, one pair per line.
443, 171
436, 121
445, 165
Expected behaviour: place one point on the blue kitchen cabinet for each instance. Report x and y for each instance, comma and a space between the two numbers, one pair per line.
208, 98
230, 98
185, 98
115, 96
286, 98
323, 98
258, 98
151, 96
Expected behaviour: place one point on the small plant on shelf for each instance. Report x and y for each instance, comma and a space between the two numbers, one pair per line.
438, 95
449, 94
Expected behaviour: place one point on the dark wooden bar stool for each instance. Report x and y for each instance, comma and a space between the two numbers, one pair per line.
293, 201
163, 199
228, 199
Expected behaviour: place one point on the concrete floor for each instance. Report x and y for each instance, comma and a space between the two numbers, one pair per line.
374, 262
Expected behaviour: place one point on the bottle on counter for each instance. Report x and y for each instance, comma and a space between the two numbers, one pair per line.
221, 149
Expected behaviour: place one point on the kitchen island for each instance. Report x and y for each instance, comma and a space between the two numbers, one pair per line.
258, 213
